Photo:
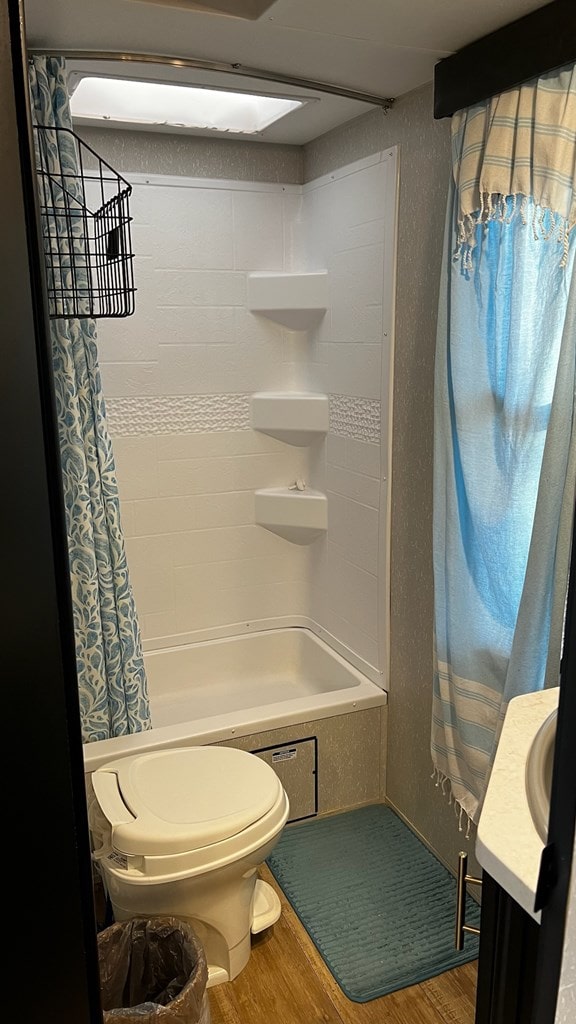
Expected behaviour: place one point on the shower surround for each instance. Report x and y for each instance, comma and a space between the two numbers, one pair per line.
178, 377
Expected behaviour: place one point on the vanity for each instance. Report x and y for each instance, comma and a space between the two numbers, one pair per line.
512, 834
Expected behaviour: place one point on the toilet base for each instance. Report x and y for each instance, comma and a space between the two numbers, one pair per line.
223, 908
266, 910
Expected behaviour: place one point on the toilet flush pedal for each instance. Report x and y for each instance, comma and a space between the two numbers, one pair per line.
266, 907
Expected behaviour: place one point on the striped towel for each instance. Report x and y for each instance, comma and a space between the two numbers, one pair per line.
519, 144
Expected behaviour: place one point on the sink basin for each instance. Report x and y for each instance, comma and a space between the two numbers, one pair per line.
539, 765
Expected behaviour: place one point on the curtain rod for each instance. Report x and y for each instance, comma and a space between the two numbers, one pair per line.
210, 65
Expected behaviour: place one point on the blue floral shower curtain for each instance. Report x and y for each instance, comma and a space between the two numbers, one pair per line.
504, 460
111, 676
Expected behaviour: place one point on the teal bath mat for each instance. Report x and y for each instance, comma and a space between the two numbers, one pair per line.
376, 903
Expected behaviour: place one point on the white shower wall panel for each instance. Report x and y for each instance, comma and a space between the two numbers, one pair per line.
196, 558
177, 378
349, 228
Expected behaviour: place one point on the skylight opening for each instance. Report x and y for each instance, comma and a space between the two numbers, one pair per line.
178, 106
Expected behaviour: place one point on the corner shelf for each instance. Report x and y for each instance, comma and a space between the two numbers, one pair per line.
298, 516
297, 301
296, 417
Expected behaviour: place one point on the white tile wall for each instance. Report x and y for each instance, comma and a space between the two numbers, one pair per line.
210, 325
344, 599
177, 377
356, 276
196, 558
258, 231
349, 347
357, 487
192, 287
191, 228
235, 473
354, 368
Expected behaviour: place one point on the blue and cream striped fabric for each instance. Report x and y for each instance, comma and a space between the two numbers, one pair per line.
503, 467
519, 145
111, 676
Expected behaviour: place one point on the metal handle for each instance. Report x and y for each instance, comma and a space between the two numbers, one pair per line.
463, 879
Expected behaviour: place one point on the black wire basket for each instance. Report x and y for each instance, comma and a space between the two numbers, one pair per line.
85, 216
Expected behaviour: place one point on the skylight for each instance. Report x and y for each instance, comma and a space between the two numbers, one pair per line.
179, 106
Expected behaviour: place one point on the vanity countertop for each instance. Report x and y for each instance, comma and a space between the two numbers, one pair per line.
508, 846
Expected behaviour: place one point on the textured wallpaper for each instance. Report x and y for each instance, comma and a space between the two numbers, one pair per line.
195, 156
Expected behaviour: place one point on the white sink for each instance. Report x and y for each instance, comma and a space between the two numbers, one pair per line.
539, 764
513, 823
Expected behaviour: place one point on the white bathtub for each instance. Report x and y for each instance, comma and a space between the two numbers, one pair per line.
222, 689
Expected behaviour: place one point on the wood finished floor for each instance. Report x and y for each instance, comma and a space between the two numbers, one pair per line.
287, 982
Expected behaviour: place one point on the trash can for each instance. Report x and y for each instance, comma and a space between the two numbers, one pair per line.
152, 971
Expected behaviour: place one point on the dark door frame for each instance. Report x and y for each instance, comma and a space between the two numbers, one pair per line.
52, 935
557, 861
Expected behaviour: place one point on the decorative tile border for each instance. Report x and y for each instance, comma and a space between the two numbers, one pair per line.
177, 414
358, 418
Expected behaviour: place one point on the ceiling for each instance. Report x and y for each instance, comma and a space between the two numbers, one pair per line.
384, 47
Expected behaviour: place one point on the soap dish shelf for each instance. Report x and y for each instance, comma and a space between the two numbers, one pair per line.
297, 417
297, 301
298, 516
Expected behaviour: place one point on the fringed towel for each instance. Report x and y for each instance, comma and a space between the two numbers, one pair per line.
504, 412
517, 145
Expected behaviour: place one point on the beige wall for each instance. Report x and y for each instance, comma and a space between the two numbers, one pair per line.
195, 156
351, 758
424, 169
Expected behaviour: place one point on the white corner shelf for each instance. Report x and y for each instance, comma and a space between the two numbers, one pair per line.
298, 516
297, 301
296, 417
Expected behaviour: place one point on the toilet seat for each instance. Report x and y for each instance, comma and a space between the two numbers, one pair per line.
186, 810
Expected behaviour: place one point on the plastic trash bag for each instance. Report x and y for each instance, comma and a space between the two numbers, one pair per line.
152, 971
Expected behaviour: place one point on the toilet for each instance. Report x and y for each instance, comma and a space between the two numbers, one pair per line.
182, 832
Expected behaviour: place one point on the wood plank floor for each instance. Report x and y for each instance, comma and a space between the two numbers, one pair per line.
287, 982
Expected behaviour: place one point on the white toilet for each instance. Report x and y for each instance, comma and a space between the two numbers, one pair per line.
182, 832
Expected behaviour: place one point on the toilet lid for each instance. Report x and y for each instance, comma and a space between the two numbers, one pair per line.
174, 801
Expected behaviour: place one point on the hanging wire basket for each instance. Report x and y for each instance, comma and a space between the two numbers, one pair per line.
85, 216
